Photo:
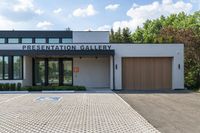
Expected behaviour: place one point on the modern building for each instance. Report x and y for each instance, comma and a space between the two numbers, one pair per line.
87, 58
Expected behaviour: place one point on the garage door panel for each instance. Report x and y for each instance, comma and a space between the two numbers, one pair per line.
147, 73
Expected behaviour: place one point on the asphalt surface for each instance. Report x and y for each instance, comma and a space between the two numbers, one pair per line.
169, 112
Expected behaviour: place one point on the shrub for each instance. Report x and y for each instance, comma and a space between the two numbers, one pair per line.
6, 87
1, 87
18, 86
52, 88
12, 87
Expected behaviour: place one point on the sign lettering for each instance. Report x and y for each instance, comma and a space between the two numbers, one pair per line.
66, 47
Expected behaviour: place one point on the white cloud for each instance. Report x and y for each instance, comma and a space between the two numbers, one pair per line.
112, 7
18, 14
23, 5
5, 24
140, 13
104, 28
84, 12
89, 29
39, 12
26, 6
56, 11
44, 25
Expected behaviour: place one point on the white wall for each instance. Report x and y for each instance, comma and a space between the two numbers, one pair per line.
151, 50
90, 37
92, 72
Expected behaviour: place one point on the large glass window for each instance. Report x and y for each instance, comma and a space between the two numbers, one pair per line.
66, 40
53, 73
53, 40
17, 67
6, 68
67, 72
1, 67
40, 40
27, 40
13, 40
2, 40
39, 72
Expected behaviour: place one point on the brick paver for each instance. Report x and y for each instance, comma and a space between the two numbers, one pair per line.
74, 112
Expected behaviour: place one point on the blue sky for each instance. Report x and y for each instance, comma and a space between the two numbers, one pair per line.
86, 14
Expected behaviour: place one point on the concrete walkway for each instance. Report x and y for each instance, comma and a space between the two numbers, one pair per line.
72, 112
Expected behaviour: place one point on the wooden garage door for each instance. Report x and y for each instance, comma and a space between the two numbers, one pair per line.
147, 73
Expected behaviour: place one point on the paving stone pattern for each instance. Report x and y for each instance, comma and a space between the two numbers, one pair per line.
73, 113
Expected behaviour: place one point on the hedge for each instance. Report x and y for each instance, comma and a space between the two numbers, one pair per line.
18, 87
52, 88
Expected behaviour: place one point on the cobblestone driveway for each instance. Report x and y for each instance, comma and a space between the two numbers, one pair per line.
74, 112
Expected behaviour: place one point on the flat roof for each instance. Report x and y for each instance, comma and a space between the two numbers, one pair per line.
35, 33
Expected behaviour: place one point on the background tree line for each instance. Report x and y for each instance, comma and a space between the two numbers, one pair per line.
176, 28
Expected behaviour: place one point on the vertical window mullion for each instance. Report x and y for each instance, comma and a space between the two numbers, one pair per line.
3, 68
46, 71
10, 67
6, 67
1, 71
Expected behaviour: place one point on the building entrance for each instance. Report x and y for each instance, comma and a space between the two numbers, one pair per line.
52, 71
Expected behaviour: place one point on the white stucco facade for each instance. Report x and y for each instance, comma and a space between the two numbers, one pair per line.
98, 71
176, 51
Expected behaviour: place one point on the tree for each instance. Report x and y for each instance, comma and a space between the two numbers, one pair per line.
191, 41
126, 35
118, 35
112, 36
137, 36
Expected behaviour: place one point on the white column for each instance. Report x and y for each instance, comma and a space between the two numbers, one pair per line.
27, 69
111, 72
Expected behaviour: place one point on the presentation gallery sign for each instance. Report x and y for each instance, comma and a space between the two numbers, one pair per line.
66, 47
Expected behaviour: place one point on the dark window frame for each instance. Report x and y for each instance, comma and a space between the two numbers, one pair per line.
13, 38
35, 39
4, 68
60, 62
10, 68
66, 38
27, 38
3, 39
22, 68
1, 78
53, 38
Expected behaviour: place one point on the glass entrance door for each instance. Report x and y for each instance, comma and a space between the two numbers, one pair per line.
39, 72
67, 72
53, 72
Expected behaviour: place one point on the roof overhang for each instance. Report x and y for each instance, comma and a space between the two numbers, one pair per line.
56, 52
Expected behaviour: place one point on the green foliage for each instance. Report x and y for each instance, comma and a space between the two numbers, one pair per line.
8, 87
126, 35
122, 35
17, 87
54, 88
12, 87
